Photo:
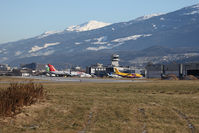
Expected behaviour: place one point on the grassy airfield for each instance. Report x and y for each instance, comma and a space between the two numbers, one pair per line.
153, 107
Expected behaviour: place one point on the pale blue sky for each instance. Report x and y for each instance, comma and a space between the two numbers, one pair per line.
27, 18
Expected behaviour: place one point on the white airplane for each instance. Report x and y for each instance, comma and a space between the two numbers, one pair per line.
80, 74
85, 75
52, 71
111, 75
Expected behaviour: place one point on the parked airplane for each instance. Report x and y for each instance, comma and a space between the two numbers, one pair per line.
128, 75
85, 75
80, 74
112, 75
53, 72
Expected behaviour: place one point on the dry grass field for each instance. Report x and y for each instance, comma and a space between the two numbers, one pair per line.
150, 107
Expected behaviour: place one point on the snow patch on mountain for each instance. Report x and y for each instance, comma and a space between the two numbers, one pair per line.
100, 40
154, 26
162, 19
191, 13
51, 44
193, 10
77, 43
134, 37
3, 51
46, 53
196, 6
96, 48
37, 48
91, 25
97, 43
114, 43
48, 33
88, 40
18, 53
148, 16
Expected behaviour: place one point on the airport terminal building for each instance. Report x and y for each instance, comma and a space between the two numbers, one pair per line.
100, 70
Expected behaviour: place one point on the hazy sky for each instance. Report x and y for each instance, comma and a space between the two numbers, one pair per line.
27, 18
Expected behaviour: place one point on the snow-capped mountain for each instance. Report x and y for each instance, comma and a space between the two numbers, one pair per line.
156, 38
91, 25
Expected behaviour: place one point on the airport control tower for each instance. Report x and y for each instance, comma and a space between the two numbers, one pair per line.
115, 60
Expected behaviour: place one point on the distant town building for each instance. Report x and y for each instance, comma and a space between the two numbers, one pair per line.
98, 70
22, 72
34, 66
76, 68
4, 69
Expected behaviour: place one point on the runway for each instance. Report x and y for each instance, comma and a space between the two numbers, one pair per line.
44, 79
95, 80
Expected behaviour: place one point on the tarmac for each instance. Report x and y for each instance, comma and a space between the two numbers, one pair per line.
44, 79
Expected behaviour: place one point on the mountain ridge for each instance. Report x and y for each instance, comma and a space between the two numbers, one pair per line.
173, 30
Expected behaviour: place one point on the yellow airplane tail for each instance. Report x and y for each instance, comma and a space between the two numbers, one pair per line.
116, 71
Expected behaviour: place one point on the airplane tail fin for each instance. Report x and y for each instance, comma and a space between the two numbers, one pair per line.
51, 67
47, 68
116, 71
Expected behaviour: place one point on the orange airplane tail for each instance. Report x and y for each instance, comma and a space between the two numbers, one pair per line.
116, 71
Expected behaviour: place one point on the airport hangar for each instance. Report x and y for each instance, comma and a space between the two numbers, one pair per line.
180, 70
